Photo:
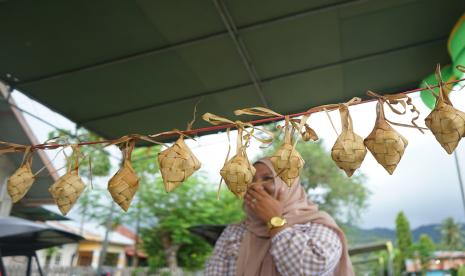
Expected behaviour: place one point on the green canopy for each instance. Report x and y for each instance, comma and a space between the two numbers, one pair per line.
119, 67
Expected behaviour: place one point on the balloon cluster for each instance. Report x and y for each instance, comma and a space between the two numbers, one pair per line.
451, 72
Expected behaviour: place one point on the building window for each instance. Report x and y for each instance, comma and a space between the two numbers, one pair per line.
85, 258
111, 259
58, 258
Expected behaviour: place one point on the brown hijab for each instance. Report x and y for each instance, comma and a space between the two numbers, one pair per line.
254, 257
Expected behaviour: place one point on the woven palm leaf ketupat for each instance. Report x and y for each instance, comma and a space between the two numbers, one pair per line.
349, 150
67, 189
176, 164
238, 172
124, 184
22, 179
446, 122
386, 144
287, 161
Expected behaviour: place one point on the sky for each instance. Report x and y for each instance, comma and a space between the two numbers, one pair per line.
425, 184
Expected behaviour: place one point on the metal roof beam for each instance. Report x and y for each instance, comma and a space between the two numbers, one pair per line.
241, 48
265, 80
189, 42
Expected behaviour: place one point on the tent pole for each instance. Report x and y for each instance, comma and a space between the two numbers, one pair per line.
29, 264
2, 267
38, 264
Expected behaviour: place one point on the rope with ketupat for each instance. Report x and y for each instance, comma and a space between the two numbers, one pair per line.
445, 121
19, 183
349, 151
177, 163
384, 143
67, 189
238, 172
286, 160
124, 183
21, 180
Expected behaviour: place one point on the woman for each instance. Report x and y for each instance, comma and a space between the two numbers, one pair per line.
283, 234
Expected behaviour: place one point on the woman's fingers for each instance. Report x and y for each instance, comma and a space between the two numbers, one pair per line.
261, 190
255, 192
249, 201
248, 198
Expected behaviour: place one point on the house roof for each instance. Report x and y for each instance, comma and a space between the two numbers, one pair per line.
123, 230
119, 67
92, 232
14, 128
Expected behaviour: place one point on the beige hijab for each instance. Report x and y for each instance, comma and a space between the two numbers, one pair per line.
254, 257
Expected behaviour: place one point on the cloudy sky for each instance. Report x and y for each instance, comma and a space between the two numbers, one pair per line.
425, 184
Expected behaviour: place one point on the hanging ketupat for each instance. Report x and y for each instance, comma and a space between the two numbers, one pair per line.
67, 189
124, 184
349, 150
238, 172
22, 179
176, 164
386, 144
445, 122
286, 160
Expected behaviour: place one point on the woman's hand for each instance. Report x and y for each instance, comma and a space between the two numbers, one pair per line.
264, 205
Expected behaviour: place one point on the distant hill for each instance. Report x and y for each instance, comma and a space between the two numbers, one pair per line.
358, 235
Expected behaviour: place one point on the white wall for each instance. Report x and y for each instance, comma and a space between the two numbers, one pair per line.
6, 169
62, 257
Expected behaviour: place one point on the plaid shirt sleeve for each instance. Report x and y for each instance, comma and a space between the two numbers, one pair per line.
224, 257
306, 249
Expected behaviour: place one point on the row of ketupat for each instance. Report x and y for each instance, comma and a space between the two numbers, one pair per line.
387, 145
177, 162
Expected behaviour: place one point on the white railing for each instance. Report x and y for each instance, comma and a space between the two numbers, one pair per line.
20, 270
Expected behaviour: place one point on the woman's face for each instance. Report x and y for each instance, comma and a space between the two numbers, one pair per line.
264, 176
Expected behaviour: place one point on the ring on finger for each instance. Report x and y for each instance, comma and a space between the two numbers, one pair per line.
254, 200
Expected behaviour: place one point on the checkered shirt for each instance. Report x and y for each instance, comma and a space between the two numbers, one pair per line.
302, 249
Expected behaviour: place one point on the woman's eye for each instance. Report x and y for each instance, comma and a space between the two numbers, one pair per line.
263, 179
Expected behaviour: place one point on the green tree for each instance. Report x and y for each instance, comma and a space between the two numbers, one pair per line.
93, 157
168, 240
451, 235
404, 241
342, 197
165, 218
423, 250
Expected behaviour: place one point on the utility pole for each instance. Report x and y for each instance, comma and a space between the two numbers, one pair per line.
459, 175
108, 226
135, 258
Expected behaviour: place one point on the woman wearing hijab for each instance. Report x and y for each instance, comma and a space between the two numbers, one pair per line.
282, 234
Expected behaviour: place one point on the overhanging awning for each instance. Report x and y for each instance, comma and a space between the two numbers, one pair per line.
119, 67
14, 128
21, 237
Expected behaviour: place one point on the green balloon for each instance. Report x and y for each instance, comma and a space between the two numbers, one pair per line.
428, 99
459, 60
456, 40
